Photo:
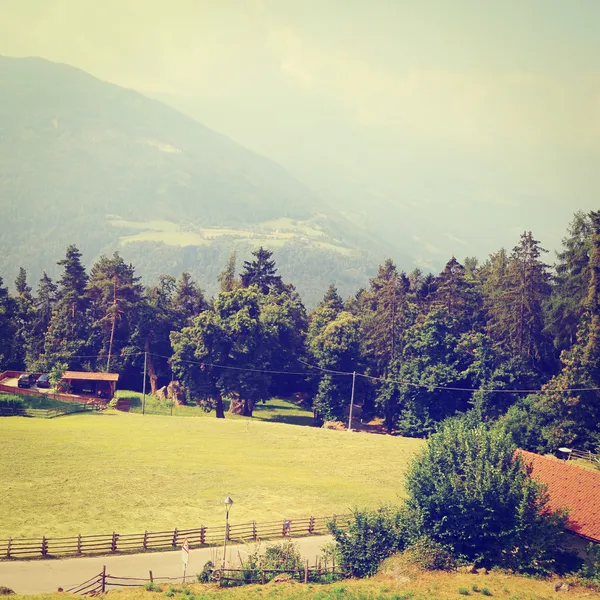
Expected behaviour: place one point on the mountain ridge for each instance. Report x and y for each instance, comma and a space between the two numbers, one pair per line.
75, 150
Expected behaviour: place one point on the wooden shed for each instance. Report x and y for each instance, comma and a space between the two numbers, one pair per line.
83, 383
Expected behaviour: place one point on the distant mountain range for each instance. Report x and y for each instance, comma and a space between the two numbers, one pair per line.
87, 162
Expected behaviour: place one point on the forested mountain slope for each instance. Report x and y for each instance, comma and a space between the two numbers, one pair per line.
87, 162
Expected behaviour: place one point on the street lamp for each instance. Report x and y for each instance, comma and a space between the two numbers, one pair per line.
228, 502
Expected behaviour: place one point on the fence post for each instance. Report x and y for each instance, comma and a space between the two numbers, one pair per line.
311, 525
103, 579
113, 544
202, 534
79, 544
145, 542
44, 546
306, 572
8, 547
262, 577
254, 530
151, 578
174, 542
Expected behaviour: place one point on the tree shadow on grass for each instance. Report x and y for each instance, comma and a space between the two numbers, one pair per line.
304, 420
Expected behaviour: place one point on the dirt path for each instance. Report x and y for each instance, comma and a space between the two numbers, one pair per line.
43, 576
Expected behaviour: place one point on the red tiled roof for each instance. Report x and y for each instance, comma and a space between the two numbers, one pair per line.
572, 487
89, 376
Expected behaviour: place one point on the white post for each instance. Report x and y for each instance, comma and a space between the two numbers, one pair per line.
351, 401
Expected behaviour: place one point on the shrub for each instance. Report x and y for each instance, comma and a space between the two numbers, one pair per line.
591, 567
151, 587
205, 575
371, 536
463, 591
431, 555
284, 556
470, 492
5, 591
11, 401
486, 592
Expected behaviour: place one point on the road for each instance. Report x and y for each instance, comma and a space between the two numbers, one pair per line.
43, 576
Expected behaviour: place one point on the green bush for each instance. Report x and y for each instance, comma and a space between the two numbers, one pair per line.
463, 591
11, 401
151, 587
591, 567
471, 493
431, 555
486, 592
371, 536
205, 575
284, 556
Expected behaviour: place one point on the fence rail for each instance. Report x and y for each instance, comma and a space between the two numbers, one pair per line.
101, 583
35, 392
45, 413
585, 455
111, 543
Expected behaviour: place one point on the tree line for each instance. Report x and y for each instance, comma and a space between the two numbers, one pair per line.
510, 339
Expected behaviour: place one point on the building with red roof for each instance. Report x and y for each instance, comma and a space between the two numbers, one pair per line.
572, 487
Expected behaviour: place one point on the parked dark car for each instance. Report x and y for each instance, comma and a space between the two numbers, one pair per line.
26, 380
43, 380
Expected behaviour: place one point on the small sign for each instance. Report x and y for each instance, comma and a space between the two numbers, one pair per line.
185, 551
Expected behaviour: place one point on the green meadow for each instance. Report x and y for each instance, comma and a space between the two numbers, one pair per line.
127, 472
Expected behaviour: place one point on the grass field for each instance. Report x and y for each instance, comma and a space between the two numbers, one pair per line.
392, 583
104, 472
275, 410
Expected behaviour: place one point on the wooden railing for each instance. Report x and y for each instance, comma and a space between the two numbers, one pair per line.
585, 455
45, 413
99, 584
9, 389
47, 547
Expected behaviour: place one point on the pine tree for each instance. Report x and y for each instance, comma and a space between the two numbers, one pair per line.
261, 271
8, 351
69, 326
24, 318
114, 293
567, 304
387, 316
457, 295
188, 300
559, 416
226, 277
44, 305
516, 319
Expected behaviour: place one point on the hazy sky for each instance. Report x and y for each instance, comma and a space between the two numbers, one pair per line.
466, 102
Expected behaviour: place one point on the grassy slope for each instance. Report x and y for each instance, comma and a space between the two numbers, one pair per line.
391, 584
95, 473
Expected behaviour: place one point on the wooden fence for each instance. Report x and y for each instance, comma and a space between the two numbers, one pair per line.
101, 583
585, 455
48, 547
45, 413
9, 389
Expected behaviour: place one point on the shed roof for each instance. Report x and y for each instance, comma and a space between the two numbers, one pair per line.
572, 487
90, 376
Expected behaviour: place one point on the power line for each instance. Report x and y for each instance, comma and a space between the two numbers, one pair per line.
217, 366
480, 389
348, 374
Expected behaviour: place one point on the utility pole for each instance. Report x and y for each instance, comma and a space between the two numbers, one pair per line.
351, 401
144, 384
